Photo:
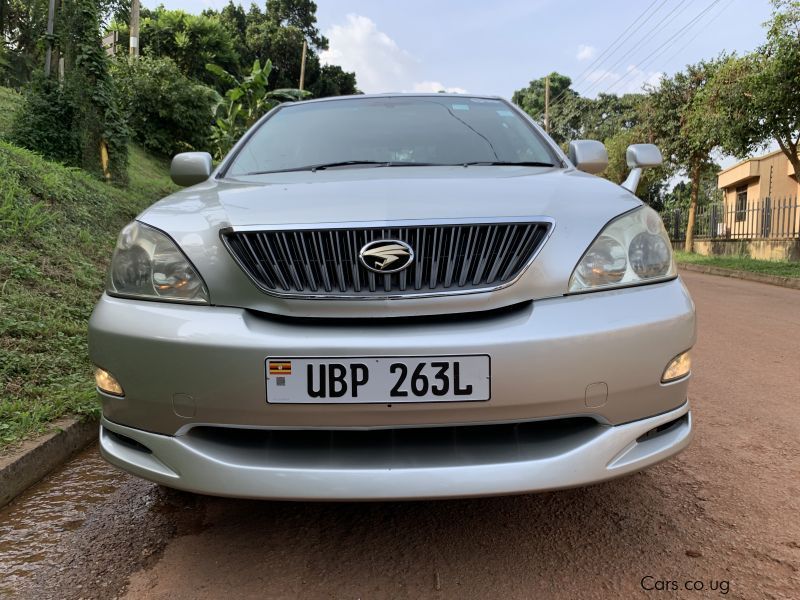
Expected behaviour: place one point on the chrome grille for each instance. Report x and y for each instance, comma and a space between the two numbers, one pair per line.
323, 262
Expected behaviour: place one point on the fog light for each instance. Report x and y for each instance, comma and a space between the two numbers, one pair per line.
678, 367
106, 382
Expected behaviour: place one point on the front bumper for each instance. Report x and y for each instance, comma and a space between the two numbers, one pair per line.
186, 366
259, 469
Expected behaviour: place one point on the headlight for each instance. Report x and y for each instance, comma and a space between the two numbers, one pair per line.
147, 264
633, 248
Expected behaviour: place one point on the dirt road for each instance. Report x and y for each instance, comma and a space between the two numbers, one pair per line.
722, 519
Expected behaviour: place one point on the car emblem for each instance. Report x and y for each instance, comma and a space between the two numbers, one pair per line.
386, 256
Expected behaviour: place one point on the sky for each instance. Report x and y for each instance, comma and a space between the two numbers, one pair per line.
497, 47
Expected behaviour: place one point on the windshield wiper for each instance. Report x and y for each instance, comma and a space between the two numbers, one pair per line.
504, 163
347, 163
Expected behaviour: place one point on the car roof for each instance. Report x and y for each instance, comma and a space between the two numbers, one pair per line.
401, 95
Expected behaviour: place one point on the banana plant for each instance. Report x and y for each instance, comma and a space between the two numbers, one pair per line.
244, 103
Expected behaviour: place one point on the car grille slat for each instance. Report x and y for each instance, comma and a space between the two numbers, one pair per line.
501, 254
285, 249
305, 260
324, 262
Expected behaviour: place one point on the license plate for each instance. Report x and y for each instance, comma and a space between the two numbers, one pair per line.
378, 379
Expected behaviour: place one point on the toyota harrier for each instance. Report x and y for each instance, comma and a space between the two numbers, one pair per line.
394, 296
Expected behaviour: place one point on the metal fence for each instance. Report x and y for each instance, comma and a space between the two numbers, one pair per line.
767, 218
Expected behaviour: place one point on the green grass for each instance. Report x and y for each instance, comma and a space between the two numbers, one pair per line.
57, 230
765, 267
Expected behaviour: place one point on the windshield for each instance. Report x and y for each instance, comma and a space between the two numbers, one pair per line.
425, 130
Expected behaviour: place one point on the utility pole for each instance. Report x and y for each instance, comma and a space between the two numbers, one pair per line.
135, 28
547, 104
303, 64
51, 17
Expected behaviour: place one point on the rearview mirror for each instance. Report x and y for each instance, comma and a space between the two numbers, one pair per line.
589, 156
190, 168
638, 157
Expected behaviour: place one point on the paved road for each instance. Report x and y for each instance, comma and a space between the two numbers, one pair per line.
725, 514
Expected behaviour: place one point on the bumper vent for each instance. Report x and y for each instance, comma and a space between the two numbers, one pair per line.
324, 263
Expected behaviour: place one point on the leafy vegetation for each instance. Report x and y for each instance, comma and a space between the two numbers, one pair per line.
9, 103
77, 121
21, 27
164, 99
244, 103
166, 111
679, 197
738, 263
41, 124
755, 99
190, 40
234, 38
57, 230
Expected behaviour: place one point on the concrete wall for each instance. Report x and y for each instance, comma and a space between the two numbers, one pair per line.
758, 249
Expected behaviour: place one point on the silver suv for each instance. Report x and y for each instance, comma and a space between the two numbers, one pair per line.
400, 296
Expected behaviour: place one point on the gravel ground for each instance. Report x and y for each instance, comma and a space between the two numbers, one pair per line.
720, 519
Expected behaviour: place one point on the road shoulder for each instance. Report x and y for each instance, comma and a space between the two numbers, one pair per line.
787, 282
33, 459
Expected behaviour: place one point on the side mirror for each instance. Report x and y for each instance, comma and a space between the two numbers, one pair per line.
638, 157
642, 156
589, 156
190, 168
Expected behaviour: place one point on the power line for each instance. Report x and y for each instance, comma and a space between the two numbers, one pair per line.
599, 58
645, 62
668, 19
584, 74
722, 9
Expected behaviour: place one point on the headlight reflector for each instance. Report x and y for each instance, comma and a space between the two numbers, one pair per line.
650, 255
632, 249
605, 263
147, 264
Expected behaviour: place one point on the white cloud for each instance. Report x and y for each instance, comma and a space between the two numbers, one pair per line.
379, 63
436, 86
585, 52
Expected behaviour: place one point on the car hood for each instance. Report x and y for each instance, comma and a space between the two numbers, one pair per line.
578, 204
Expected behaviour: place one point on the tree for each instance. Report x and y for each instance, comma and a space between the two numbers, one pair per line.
333, 81
191, 41
234, 38
23, 24
607, 115
679, 197
679, 119
301, 14
244, 103
756, 98
566, 105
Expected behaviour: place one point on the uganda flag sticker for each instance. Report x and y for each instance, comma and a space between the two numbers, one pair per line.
279, 368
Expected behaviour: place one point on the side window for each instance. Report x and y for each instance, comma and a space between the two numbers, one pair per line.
741, 203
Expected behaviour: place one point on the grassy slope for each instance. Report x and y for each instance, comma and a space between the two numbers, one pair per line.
765, 267
57, 231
